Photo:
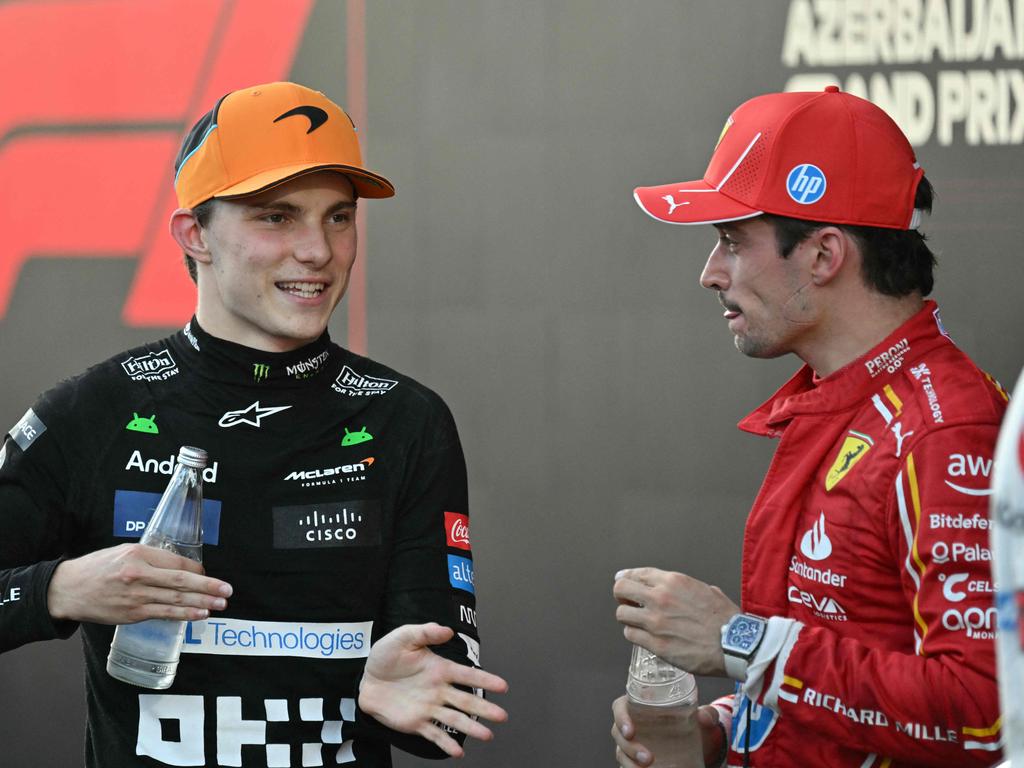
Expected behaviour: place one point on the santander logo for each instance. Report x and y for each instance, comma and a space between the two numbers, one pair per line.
816, 544
457, 530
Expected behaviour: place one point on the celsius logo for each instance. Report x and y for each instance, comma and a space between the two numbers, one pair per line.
949, 584
355, 384
816, 544
252, 415
155, 366
806, 184
315, 115
456, 528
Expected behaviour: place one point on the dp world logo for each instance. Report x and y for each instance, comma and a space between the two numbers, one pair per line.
806, 184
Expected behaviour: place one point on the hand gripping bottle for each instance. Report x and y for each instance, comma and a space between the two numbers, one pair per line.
1006, 509
146, 653
663, 707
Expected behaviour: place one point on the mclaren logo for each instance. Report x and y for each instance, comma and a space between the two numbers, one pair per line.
855, 447
315, 115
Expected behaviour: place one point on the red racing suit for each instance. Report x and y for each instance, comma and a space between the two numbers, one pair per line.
870, 534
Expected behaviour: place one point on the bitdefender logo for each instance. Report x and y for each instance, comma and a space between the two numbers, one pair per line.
356, 384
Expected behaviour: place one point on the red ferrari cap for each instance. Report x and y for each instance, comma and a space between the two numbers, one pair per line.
256, 138
823, 156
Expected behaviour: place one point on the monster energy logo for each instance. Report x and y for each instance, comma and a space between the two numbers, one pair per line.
260, 372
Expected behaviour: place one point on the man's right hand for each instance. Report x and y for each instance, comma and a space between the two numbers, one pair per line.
633, 754
133, 582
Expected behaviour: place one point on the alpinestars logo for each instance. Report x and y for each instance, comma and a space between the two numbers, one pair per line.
155, 366
356, 384
253, 415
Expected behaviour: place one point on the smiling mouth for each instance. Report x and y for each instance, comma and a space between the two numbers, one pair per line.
302, 290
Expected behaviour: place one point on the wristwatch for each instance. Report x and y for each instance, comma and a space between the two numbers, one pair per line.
741, 637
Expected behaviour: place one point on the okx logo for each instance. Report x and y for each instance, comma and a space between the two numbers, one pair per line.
175, 729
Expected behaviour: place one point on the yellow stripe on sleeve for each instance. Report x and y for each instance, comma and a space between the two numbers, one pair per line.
915, 498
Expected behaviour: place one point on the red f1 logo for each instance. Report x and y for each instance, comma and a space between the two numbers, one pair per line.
88, 131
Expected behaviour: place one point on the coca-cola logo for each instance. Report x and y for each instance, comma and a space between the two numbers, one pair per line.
457, 530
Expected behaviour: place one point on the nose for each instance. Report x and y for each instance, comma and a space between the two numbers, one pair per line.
715, 276
314, 248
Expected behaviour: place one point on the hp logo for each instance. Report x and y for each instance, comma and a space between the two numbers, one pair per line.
806, 184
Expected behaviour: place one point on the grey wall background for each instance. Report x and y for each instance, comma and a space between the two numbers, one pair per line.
594, 382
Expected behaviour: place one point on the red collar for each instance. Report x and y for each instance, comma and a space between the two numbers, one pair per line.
805, 393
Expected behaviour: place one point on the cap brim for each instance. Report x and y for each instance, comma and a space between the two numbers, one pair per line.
367, 183
691, 202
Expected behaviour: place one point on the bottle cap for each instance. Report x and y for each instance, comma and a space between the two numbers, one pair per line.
192, 457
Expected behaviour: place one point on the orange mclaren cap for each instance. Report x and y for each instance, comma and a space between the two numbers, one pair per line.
256, 138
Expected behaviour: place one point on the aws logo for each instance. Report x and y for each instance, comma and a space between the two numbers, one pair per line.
964, 465
61, 120
855, 447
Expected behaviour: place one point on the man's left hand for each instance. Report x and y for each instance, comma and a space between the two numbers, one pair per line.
411, 689
674, 616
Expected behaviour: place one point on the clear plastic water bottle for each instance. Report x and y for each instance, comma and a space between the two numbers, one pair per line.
146, 653
663, 707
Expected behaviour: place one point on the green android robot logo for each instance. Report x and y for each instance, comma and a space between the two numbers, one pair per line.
142, 424
355, 438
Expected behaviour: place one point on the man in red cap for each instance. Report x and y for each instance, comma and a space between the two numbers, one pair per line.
864, 634
340, 616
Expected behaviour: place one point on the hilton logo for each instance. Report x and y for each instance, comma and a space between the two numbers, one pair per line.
154, 366
355, 384
336, 524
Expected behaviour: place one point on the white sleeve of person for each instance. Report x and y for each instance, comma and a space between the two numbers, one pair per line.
779, 638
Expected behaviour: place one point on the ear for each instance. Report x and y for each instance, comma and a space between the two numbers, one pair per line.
833, 249
189, 235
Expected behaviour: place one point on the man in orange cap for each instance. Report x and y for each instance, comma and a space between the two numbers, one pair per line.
865, 634
336, 515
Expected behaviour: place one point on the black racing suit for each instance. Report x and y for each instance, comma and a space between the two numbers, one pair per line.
334, 503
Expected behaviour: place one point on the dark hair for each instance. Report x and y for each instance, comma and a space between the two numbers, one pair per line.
896, 262
202, 212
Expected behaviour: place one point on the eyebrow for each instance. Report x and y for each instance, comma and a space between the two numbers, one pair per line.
285, 207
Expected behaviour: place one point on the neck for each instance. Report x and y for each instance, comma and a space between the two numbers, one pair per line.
854, 327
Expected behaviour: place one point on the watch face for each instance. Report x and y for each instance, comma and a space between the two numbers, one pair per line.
744, 632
